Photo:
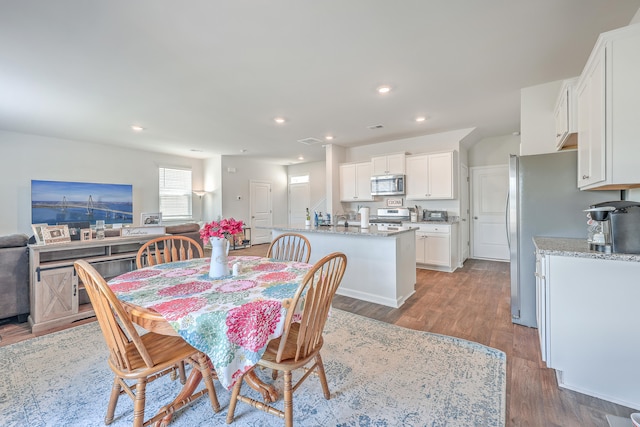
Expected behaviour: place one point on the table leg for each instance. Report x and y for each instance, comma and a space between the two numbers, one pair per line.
268, 391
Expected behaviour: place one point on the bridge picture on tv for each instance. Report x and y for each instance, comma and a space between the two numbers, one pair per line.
59, 202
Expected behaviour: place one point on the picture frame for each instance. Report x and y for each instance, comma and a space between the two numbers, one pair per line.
37, 232
150, 219
142, 231
52, 234
86, 234
394, 202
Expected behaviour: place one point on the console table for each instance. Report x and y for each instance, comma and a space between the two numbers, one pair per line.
57, 297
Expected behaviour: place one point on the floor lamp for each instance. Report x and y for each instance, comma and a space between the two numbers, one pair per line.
201, 193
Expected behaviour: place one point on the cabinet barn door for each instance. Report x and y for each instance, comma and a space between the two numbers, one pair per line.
57, 293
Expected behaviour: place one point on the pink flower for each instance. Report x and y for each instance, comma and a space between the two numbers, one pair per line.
250, 325
185, 289
127, 286
178, 308
222, 229
277, 276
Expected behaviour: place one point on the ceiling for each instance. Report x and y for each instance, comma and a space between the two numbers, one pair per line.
207, 77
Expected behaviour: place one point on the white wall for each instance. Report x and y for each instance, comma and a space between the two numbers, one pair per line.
26, 157
420, 144
236, 184
317, 172
537, 123
493, 151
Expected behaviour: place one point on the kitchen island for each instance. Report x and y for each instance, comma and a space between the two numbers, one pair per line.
381, 266
587, 315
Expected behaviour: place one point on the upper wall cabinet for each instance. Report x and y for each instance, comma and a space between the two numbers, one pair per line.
608, 115
355, 182
389, 164
431, 176
566, 116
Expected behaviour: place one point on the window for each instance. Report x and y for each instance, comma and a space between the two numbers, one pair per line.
300, 179
175, 193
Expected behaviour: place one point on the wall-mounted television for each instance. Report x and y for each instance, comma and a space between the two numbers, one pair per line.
61, 202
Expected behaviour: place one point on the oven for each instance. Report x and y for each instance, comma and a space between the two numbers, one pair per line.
390, 218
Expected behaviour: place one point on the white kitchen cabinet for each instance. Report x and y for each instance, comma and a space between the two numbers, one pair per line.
436, 246
566, 116
591, 326
608, 121
355, 182
431, 176
391, 164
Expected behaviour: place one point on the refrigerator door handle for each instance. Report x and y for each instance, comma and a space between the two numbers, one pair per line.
506, 222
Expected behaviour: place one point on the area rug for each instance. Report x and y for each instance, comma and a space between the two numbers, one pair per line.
379, 375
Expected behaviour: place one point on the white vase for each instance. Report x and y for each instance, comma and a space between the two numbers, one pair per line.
219, 252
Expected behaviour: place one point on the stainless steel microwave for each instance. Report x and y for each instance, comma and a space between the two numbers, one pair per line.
387, 185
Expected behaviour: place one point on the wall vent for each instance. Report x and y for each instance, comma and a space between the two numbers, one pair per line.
309, 141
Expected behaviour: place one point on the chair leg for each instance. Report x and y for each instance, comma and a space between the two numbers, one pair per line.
181, 373
138, 403
323, 377
274, 375
234, 399
288, 400
113, 401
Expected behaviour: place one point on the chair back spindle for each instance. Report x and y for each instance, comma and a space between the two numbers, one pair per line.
166, 249
290, 247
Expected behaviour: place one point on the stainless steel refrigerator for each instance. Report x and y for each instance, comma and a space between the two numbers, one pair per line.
544, 200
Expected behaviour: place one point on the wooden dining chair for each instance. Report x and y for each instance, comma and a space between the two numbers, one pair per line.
301, 341
140, 359
168, 249
290, 247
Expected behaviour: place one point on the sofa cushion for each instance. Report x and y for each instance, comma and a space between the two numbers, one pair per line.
13, 241
182, 228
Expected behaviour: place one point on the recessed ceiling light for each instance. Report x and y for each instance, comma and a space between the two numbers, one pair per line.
328, 137
300, 157
279, 120
384, 89
243, 150
137, 128
420, 119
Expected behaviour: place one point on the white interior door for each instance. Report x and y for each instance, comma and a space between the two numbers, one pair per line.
261, 211
464, 213
489, 188
299, 202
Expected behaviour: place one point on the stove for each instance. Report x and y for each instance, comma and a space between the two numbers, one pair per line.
390, 217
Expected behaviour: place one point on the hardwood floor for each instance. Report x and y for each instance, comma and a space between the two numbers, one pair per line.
472, 303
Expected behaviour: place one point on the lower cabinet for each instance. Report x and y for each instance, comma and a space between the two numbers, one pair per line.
57, 297
56, 293
436, 246
588, 324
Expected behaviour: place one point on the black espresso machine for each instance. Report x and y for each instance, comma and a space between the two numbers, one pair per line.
615, 227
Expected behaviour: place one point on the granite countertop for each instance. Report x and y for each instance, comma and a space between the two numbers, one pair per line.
576, 248
340, 229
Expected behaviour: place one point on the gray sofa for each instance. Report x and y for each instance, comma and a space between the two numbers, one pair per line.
189, 230
14, 277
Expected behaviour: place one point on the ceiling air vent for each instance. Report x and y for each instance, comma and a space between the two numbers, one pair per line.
309, 141
374, 127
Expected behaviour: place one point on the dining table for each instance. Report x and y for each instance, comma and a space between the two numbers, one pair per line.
230, 318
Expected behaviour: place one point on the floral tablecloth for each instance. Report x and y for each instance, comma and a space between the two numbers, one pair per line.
230, 319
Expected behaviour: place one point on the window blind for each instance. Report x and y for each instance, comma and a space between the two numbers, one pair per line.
175, 193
